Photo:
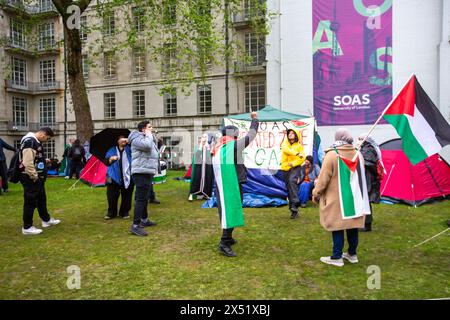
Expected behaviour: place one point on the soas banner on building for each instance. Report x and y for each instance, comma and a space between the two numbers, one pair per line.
265, 150
352, 60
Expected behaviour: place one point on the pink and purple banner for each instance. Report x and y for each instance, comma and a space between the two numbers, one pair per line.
352, 60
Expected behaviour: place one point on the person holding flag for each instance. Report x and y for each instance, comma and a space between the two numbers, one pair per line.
342, 192
230, 173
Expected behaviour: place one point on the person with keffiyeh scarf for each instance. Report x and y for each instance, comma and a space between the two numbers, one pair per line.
118, 179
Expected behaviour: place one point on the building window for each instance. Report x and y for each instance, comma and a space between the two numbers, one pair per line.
138, 14
204, 99
17, 30
170, 104
20, 112
109, 101
85, 65
138, 104
109, 24
19, 71
83, 28
47, 73
45, 5
255, 95
169, 57
46, 36
169, 12
47, 112
255, 49
109, 61
254, 8
50, 149
139, 65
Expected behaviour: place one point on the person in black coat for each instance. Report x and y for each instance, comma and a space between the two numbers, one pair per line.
371, 154
77, 156
3, 166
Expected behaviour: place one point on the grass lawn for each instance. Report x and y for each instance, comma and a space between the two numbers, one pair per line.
278, 258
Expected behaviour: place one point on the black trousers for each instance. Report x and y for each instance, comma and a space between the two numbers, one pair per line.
227, 234
4, 175
369, 217
75, 168
113, 192
142, 183
290, 178
34, 196
151, 192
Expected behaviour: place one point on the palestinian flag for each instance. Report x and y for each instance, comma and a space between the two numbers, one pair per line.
353, 196
418, 122
227, 186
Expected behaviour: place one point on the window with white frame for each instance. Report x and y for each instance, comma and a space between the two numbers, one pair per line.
46, 36
83, 28
19, 71
138, 14
17, 31
170, 104
45, 5
47, 110
20, 111
169, 57
109, 102
109, 24
50, 149
204, 99
47, 73
139, 64
138, 104
109, 65
255, 48
169, 12
85, 65
255, 95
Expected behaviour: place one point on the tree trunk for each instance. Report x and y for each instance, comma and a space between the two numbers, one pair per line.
83, 117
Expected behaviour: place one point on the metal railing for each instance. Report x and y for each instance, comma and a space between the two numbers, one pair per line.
30, 126
24, 45
30, 9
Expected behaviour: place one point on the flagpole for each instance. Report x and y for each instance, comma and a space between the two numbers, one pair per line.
381, 116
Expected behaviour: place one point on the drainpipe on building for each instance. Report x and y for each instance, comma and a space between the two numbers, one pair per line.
65, 93
227, 59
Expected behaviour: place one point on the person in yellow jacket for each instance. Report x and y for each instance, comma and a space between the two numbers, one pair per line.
292, 157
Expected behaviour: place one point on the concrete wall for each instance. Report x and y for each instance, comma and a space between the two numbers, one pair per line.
421, 35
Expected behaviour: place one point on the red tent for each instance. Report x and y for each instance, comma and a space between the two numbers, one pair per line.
188, 173
94, 173
414, 185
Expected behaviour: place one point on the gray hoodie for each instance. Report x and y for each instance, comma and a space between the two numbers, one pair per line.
144, 153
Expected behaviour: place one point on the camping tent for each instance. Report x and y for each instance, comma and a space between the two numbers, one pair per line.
94, 173
414, 185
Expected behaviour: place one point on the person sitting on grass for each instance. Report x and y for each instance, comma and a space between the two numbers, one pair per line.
308, 176
118, 179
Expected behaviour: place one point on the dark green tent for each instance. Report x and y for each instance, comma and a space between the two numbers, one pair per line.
269, 113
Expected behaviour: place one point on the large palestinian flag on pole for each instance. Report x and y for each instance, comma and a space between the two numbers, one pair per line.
418, 122
228, 193
353, 196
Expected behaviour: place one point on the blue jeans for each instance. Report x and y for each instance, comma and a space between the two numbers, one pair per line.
68, 165
338, 242
305, 191
142, 183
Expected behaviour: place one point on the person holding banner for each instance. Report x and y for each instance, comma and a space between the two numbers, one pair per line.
230, 173
292, 157
342, 192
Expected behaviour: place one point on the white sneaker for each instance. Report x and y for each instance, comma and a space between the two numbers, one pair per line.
351, 259
50, 222
334, 262
31, 230
66, 177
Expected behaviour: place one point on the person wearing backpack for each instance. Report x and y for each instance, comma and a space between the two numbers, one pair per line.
77, 156
3, 167
33, 175
372, 158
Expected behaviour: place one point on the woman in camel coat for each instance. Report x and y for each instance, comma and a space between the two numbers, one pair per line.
327, 192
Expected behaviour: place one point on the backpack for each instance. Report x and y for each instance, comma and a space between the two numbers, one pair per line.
14, 170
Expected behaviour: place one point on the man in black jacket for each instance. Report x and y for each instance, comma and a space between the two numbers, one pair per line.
232, 133
3, 166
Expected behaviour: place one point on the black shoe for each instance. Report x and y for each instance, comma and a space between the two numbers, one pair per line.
233, 241
367, 228
155, 201
294, 214
147, 223
138, 231
226, 250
